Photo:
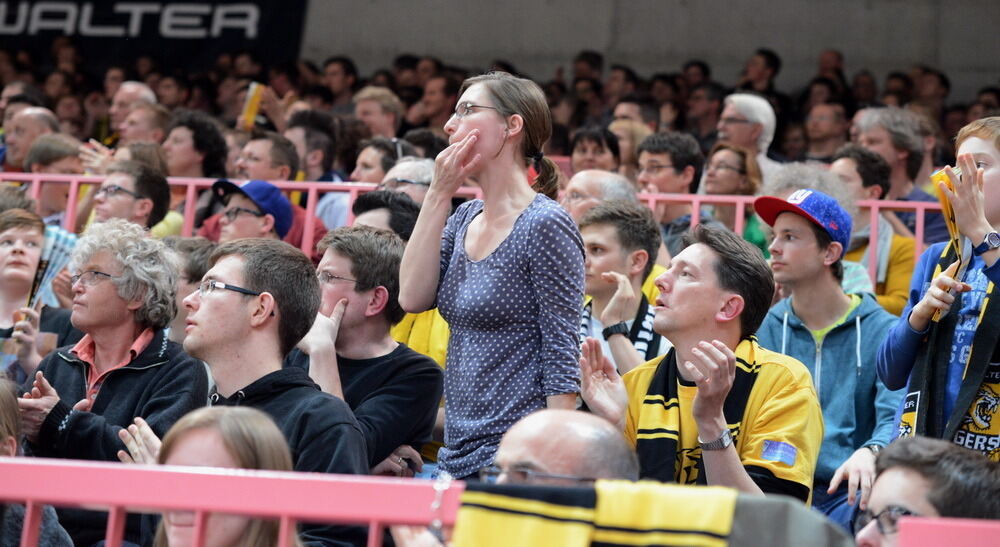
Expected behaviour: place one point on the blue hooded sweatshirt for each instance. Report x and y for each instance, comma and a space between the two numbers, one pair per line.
857, 407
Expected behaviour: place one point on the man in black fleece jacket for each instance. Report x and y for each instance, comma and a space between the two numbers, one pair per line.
124, 367
393, 390
255, 303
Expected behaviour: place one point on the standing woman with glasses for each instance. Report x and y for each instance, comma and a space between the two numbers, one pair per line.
732, 170
506, 271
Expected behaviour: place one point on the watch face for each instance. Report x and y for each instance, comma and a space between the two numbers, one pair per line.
993, 240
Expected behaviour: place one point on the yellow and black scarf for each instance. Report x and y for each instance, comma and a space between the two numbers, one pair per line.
923, 406
659, 455
607, 513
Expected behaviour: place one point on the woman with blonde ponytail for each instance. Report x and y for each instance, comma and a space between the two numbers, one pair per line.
506, 271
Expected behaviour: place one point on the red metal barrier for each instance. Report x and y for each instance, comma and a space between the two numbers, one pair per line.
936, 532
315, 189
289, 497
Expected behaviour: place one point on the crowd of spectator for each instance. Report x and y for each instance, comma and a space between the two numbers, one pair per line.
556, 331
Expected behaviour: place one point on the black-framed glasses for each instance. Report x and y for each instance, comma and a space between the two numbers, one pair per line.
113, 190
653, 169
522, 474
209, 285
327, 277
233, 212
395, 182
464, 109
886, 520
89, 278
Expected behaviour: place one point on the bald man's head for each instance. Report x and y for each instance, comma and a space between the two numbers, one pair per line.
128, 95
568, 443
591, 187
26, 126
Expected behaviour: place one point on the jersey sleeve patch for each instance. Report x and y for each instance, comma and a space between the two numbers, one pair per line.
777, 451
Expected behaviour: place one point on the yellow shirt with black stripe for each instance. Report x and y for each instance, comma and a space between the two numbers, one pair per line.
778, 438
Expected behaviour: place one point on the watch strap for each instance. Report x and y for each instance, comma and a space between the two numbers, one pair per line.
991, 241
617, 328
721, 443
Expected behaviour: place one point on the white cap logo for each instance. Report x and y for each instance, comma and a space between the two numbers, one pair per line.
799, 196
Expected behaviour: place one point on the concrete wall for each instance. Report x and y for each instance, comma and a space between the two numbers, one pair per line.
960, 36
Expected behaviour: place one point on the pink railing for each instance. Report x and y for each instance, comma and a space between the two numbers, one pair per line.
288, 497
875, 208
930, 532
314, 189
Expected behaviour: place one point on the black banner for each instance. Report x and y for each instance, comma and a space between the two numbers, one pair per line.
187, 35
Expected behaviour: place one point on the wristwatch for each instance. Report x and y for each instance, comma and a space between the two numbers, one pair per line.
874, 448
617, 328
990, 242
721, 443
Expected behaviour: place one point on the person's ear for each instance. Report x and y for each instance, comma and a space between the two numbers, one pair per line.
267, 224
515, 124
731, 308
688, 175
834, 252
284, 173
142, 208
637, 261
755, 132
873, 192
378, 301
264, 309
314, 157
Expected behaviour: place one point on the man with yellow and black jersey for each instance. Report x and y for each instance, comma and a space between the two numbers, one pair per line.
717, 409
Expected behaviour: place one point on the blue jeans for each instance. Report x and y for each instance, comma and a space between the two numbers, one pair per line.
834, 506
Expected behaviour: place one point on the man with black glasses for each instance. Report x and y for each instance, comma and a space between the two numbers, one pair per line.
920, 476
246, 316
411, 176
562, 447
134, 192
255, 209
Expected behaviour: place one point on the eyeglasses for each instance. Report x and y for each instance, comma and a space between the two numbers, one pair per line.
731, 121
209, 285
521, 474
464, 109
886, 520
113, 190
89, 278
395, 182
573, 195
653, 169
234, 212
327, 277
721, 166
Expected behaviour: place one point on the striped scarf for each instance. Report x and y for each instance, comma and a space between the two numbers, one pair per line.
660, 457
923, 406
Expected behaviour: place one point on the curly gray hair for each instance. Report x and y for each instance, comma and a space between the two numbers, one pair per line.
148, 273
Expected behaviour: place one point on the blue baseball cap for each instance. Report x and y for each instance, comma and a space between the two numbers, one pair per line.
813, 205
266, 196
